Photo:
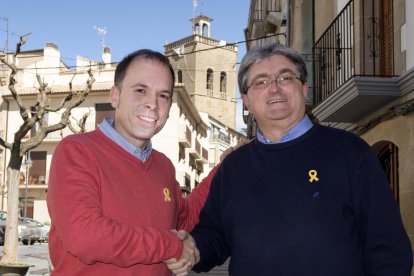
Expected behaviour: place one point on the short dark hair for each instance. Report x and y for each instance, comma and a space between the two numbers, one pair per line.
122, 67
260, 53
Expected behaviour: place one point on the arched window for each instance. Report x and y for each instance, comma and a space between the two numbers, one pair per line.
223, 82
387, 154
209, 79
197, 28
205, 30
180, 76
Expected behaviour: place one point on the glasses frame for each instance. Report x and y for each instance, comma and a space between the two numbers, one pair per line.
268, 83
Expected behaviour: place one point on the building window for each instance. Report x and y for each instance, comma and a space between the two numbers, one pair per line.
223, 82
3, 81
181, 153
197, 28
103, 110
187, 181
180, 76
205, 30
37, 171
186, 190
387, 154
209, 79
223, 85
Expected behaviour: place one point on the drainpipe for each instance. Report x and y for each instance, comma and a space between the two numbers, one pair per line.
288, 13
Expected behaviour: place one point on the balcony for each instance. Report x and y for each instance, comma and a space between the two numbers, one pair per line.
353, 67
203, 159
220, 137
35, 182
196, 151
184, 137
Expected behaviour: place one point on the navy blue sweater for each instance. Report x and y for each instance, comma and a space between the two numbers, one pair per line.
317, 205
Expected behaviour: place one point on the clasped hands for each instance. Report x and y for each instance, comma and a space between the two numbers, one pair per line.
189, 258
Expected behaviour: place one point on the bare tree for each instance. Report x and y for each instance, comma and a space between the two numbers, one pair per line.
31, 116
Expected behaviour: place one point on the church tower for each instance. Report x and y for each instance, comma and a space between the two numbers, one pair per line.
207, 68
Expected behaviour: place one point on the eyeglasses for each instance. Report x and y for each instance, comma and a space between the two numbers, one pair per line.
265, 83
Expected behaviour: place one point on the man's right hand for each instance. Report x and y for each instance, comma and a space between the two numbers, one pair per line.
189, 258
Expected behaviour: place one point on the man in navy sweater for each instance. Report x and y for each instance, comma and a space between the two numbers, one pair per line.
301, 199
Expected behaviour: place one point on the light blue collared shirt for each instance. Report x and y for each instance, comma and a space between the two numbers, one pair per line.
107, 127
298, 130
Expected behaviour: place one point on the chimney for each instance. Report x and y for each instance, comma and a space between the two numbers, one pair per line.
52, 56
106, 57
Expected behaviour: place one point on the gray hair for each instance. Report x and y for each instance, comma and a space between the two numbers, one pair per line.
260, 53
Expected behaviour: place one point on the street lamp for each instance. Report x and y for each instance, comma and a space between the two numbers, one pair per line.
28, 163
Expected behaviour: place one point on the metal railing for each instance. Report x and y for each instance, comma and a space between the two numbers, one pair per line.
221, 136
357, 43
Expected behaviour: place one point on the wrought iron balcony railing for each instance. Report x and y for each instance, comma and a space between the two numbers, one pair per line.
359, 42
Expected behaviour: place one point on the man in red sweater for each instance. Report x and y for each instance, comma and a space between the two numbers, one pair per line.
114, 200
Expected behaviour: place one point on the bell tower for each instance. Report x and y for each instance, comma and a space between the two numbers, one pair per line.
201, 25
206, 67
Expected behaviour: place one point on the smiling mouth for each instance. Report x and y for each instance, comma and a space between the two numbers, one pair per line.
276, 101
147, 119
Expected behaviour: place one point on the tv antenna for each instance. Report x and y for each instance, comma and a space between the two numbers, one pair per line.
6, 44
101, 32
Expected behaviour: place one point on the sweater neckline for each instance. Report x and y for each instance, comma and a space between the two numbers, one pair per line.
287, 144
120, 150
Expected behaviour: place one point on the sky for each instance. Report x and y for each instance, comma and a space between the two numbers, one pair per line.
130, 25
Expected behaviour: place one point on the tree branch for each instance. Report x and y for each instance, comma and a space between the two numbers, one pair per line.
35, 140
81, 123
4, 144
12, 80
64, 100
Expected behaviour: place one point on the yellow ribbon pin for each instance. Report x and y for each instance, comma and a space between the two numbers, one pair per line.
167, 194
313, 174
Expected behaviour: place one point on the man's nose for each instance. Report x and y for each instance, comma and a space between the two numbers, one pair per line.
151, 101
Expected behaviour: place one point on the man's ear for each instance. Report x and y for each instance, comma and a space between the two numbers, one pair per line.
305, 89
245, 99
115, 95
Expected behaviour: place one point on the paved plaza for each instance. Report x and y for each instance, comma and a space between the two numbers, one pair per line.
36, 255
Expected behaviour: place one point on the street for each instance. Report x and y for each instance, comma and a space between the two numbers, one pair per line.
37, 255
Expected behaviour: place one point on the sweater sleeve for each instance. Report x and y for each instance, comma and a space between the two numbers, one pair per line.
79, 226
191, 205
209, 233
387, 249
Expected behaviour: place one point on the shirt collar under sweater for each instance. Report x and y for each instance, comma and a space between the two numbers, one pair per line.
106, 126
299, 129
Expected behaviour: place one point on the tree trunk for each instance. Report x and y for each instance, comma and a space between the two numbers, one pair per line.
10, 251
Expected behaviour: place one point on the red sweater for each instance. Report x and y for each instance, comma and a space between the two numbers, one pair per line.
111, 213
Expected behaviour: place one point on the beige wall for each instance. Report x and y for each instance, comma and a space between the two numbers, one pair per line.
400, 131
325, 13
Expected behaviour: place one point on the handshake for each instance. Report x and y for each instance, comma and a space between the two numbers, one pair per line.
189, 258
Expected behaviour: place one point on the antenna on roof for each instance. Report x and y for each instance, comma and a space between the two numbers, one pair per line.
194, 7
6, 44
101, 32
